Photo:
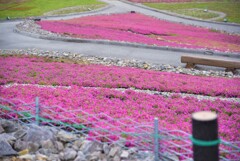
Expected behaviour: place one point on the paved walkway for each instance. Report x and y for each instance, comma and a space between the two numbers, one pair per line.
11, 40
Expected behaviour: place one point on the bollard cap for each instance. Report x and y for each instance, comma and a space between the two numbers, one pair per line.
204, 116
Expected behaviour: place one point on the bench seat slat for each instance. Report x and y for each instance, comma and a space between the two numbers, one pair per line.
211, 61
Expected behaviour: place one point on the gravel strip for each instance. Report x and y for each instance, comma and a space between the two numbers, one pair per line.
164, 94
111, 61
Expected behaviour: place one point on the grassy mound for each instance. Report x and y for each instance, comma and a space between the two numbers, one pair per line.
26, 8
229, 7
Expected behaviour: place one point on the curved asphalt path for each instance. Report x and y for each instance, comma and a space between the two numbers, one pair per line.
11, 40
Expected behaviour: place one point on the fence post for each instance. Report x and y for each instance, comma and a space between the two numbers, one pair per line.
37, 111
156, 139
205, 136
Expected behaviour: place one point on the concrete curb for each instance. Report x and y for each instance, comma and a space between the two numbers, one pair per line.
177, 15
59, 16
127, 44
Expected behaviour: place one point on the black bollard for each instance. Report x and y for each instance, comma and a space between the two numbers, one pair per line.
205, 136
37, 19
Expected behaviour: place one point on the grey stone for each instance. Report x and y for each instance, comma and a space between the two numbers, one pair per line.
33, 147
80, 157
69, 154
9, 126
95, 156
116, 158
86, 145
6, 137
1, 129
59, 145
54, 157
124, 154
78, 143
6, 149
38, 134
43, 151
27, 157
65, 136
132, 150
20, 145
47, 144
113, 151
41, 157
106, 148
20, 133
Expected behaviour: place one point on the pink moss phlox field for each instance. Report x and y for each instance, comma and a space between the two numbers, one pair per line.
26, 70
167, 1
173, 113
139, 28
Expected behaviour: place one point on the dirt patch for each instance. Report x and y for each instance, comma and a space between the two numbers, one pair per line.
11, 1
20, 8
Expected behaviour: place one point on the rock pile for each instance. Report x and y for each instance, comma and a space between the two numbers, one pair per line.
30, 143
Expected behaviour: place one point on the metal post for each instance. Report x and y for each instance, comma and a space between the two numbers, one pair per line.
205, 136
37, 111
156, 141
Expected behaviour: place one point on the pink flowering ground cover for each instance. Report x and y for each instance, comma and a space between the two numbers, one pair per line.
32, 70
167, 1
173, 113
139, 28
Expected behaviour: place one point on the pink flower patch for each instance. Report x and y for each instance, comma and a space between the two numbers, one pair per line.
142, 29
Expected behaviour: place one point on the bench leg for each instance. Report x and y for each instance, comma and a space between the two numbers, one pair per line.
190, 65
233, 70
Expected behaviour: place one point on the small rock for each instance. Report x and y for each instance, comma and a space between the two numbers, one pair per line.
116, 158
80, 157
27, 157
54, 157
78, 143
86, 145
44, 151
1, 129
20, 133
95, 156
20, 145
69, 154
59, 145
38, 134
6, 137
65, 136
33, 147
6, 149
132, 150
106, 148
47, 144
113, 151
9, 126
41, 157
124, 154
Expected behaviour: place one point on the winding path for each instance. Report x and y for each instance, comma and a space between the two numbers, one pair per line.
11, 40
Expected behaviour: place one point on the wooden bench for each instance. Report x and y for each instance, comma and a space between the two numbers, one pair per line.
229, 64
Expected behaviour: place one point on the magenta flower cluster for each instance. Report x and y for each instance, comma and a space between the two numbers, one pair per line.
167, 1
173, 113
139, 28
26, 70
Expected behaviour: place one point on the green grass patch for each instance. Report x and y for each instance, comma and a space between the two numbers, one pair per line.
82, 8
229, 7
196, 13
27, 8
